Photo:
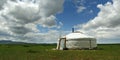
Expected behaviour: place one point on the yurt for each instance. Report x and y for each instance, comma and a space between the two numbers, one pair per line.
76, 40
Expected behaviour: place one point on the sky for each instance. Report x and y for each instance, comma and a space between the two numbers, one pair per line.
44, 21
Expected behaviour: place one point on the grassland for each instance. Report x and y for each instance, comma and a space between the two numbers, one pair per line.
45, 52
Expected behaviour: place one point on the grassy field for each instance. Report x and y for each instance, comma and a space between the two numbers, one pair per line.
45, 52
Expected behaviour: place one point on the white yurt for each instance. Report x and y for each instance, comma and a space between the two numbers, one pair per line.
76, 40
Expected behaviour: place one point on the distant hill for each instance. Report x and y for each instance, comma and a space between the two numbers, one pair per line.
10, 42
15, 42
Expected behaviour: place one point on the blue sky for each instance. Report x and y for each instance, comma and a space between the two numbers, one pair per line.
70, 17
43, 21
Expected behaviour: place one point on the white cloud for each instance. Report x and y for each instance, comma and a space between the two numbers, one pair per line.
20, 17
60, 25
48, 21
49, 37
2, 3
81, 9
79, 4
106, 25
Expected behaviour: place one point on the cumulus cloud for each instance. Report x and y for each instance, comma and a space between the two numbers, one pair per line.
106, 25
2, 3
50, 37
21, 17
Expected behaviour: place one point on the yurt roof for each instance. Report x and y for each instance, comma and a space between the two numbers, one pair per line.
77, 35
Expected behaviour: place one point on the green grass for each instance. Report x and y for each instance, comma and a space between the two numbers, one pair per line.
45, 52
